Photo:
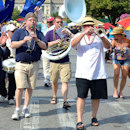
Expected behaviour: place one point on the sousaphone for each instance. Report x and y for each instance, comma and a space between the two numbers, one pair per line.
75, 10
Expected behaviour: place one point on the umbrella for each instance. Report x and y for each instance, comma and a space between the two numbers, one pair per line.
128, 28
125, 22
107, 25
20, 19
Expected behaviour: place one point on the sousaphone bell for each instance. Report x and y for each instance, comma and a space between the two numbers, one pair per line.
75, 10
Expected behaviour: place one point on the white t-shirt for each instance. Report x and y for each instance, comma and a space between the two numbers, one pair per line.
12, 51
90, 58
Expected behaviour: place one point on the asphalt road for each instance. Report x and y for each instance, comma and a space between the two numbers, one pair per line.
112, 114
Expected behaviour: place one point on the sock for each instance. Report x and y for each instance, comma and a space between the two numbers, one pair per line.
17, 109
25, 107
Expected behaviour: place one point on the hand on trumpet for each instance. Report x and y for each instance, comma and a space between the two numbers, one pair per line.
89, 30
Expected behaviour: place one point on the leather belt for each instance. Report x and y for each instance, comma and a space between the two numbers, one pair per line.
27, 62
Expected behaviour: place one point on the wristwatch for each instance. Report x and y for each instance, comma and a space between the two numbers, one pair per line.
38, 40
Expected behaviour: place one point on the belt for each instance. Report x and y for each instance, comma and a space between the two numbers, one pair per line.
27, 62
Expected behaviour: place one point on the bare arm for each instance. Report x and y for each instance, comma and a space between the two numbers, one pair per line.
76, 40
42, 45
106, 43
52, 43
17, 44
112, 46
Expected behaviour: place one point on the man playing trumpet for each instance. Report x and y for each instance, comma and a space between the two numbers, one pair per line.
59, 67
90, 71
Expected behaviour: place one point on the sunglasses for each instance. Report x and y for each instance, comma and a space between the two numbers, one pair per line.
59, 22
49, 21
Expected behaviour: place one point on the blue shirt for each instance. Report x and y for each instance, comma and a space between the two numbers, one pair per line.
21, 54
49, 38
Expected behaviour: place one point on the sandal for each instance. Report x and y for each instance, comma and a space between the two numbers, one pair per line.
121, 96
79, 126
94, 122
54, 100
66, 105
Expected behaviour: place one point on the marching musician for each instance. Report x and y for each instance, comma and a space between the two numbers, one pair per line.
59, 67
28, 43
4, 53
90, 71
10, 28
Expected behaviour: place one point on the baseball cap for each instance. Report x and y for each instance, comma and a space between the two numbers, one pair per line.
10, 27
50, 19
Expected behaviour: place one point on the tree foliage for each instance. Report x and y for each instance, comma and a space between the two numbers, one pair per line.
15, 14
110, 8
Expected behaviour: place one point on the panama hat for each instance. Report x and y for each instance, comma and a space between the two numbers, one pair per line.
117, 30
88, 21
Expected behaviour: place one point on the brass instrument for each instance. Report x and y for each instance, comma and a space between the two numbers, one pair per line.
75, 10
100, 32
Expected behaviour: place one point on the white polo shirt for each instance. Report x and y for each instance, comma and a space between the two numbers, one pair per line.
90, 59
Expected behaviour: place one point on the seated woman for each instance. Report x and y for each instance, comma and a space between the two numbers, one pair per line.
120, 59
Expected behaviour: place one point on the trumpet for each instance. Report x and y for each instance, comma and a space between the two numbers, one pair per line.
100, 32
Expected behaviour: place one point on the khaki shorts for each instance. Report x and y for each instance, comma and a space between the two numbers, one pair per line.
26, 74
62, 69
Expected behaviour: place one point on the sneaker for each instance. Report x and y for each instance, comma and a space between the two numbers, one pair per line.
2, 99
66, 105
11, 102
16, 115
26, 113
47, 85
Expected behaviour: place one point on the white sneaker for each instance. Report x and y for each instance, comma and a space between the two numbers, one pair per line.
11, 102
26, 113
16, 115
2, 99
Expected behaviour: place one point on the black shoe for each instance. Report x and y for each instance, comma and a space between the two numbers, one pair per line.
46, 85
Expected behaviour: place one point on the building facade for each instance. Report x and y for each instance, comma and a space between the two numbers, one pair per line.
49, 7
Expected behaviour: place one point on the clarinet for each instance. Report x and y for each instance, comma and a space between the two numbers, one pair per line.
29, 42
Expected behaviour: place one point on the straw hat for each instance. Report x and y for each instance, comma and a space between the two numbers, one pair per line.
88, 21
117, 30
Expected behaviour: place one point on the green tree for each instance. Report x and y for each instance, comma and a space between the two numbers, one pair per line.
15, 14
56, 14
110, 8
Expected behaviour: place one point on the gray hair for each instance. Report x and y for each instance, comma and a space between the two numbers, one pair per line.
30, 14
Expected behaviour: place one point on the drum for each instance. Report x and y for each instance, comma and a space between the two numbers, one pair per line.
9, 65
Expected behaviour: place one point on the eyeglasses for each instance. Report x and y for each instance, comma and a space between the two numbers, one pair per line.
59, 22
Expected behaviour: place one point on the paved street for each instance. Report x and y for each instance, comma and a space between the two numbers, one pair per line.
112, 114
